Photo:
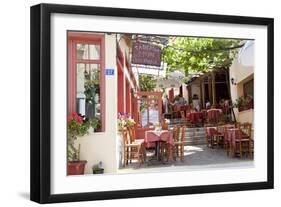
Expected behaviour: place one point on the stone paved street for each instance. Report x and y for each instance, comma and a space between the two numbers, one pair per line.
196, 158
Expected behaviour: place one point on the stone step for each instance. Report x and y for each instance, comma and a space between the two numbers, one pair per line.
194, 143
194, 135
195, 132
189, 129
195, 139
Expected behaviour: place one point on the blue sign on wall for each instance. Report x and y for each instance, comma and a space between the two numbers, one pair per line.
109, 71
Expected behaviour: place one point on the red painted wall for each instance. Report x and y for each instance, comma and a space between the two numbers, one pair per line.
120, 90
171, 95
128, 98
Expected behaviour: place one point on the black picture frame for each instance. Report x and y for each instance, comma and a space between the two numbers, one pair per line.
41, 102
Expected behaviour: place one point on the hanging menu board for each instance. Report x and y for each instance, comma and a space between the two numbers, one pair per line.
146, 54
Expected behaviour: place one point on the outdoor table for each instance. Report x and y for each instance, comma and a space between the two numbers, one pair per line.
213, 114
211, 131
184, 107
233, 135
215, 136
177, 107
195, 116
158, 136
180, 107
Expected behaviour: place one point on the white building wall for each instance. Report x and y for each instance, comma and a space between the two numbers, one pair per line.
195, 89
242, 71
101, 146
184, 92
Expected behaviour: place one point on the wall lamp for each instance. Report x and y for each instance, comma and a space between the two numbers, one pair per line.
233, 81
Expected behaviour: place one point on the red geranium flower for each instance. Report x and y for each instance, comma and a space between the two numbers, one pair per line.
75, 116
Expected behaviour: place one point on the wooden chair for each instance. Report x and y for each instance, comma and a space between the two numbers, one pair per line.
175, 114
227, 144
215, 139
166, 150
220, 136
165, 147
132, 150
205, 117
135, 140
132, 134
244, 145
182, 113
178, 148
208, 138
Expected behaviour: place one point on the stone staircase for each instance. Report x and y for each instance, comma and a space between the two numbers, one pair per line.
193, 135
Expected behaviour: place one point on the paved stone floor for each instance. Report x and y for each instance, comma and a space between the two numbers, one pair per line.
197, 157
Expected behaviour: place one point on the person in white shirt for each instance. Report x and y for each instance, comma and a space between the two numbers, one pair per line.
197, 107
208, 105
166, 103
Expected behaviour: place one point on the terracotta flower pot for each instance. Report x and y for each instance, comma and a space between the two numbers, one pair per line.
76, 167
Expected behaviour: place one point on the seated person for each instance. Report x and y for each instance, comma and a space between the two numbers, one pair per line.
192, 109
208, 105
197, 107
166, 104
181, 100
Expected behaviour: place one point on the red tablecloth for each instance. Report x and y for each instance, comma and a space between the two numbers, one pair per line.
181, 107
154, 136
195, 116
233, 135
214, 113
211, 131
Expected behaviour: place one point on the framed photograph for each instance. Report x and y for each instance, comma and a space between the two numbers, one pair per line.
133, 103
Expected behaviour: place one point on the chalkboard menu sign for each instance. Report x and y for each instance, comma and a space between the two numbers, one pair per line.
146, 54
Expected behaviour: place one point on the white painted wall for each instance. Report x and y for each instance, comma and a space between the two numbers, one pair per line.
101, 146
184, 92
246, 116
241, 73
195, 89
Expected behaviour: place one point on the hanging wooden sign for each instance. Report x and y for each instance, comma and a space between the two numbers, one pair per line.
146, 54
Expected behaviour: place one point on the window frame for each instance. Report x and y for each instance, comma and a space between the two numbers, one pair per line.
247, 83
74, 38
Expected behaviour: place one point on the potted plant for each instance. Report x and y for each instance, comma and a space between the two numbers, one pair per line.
121, 121
243, 103
77, 126
98, 169
95, 124
124, 120
130, 122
